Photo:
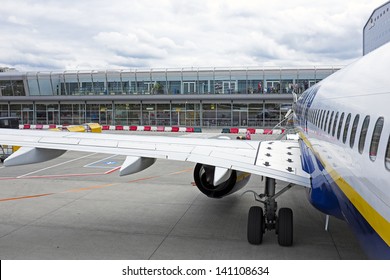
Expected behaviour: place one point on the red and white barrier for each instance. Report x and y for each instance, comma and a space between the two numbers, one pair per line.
232, 130
149, 128
235, 130
39, 126
121, 128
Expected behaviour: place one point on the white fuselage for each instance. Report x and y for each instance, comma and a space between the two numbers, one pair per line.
359, 170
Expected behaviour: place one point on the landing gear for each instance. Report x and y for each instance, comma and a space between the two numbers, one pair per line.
285, 227
259, 221
256, 225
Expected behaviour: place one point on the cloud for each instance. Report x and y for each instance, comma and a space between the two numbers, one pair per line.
49, 35
139, 44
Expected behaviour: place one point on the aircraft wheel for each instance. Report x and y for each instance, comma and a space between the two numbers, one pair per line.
255, 225
285, 227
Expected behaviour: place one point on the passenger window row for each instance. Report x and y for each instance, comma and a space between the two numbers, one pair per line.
329, 122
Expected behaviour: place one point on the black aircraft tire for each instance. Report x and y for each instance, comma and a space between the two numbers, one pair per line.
255, 225
285, 227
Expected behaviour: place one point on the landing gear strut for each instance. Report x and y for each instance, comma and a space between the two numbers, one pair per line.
259, 221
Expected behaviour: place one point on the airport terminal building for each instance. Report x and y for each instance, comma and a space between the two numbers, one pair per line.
203, 97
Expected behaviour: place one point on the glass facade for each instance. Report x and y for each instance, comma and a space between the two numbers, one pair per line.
12, 88
206, 97
167, 81
155, 114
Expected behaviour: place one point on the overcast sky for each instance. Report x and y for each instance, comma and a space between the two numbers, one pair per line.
120, 34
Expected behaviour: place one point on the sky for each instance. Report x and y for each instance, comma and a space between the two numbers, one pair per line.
47, 35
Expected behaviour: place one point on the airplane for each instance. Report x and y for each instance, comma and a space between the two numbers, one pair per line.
341, 157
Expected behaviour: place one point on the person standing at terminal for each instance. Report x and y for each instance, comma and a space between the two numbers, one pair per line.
248, 135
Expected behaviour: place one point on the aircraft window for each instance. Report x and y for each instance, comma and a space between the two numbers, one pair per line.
353, 131
322, 118
335, 123
346, 127
326, 115
330, 122
387, 159
363, 133
340, 125
318, 117
326, 120
376, 135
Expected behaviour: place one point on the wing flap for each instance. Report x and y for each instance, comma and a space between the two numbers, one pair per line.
228, 156
135, 145
56, 140
98, 143
281, 155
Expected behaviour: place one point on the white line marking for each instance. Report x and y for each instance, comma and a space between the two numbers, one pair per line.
88, 165
62, 163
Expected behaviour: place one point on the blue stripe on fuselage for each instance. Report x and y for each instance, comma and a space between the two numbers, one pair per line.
326, 196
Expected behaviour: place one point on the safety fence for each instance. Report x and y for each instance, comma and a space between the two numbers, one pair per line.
232, 130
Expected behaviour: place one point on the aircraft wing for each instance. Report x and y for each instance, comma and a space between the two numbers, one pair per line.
275, 159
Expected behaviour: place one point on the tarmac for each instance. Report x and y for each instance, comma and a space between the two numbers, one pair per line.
76, 207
